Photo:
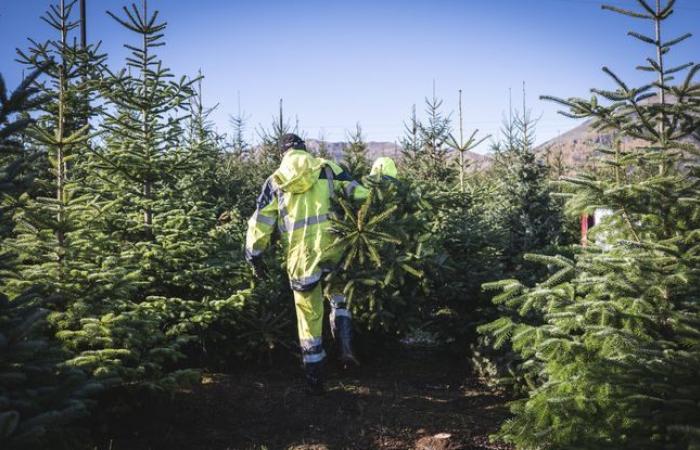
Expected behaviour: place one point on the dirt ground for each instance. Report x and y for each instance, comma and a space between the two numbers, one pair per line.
409, 400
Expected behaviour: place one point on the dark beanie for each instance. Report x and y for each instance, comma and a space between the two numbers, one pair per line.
290, 141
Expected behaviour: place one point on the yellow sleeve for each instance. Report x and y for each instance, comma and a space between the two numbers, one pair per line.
343, 181
262, 223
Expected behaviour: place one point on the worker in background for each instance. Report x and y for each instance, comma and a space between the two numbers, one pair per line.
384, 167
296, 200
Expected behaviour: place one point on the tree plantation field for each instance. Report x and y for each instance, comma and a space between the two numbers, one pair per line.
129, 318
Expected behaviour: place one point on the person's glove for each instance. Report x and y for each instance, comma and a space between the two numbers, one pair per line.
259, 268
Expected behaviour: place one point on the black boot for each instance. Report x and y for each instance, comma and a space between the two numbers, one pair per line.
341, 329
347, 356
314, 378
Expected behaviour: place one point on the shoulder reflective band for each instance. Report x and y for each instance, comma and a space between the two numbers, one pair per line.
329, 178
283, 212
351, 187
264, 219
282, 209
308, 221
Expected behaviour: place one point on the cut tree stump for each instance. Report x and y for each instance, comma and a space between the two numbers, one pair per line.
440, 441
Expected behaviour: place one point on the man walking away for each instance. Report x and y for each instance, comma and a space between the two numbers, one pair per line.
296, 200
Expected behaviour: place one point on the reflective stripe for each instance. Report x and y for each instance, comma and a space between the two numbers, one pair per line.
267, 194
351, 187
329, 178
259, 218
313, 220
253, 253
310, 343
314, 358
305, 283
337, 301
281, 206
312, 350
340, 312
283, 212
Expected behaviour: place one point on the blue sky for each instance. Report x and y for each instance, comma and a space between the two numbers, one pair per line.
336, 63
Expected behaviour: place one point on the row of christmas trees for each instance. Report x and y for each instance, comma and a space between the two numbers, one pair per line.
123, 213
608, 342
123, 218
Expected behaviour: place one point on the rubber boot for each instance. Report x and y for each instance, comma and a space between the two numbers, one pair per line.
341, 329
313, 373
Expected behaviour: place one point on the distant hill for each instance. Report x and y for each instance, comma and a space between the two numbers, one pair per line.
376, 149
576, 146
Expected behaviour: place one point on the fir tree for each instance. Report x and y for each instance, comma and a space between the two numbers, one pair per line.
425, 146
384, 243
142, 155
323, 151
434, 134
462, 146
51, 223
239, 144
38, 393
355, 154
16, 159
270, 153
532, 220
611, 337
411, 144
239, 173
131, 327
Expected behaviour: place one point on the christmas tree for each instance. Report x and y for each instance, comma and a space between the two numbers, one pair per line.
531, 219
462, 147
610, 338
426, 152
154, 270
51, 224
38, 392
355, 154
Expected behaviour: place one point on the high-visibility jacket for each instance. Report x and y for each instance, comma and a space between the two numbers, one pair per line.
384, 166
296, 200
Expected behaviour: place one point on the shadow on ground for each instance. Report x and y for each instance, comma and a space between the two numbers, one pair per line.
396, 403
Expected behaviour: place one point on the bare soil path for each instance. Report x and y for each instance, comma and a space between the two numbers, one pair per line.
408, 400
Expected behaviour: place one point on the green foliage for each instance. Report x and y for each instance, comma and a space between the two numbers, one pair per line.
38, 392
426, 155
609, 340
49, 222
122, 248
269, 155
531, 218
323, 151
355, 154
383, 245
144, 261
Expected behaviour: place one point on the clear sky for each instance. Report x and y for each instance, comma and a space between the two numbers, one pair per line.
339, 62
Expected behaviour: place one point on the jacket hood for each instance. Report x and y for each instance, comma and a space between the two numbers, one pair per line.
298, 171
384, 166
